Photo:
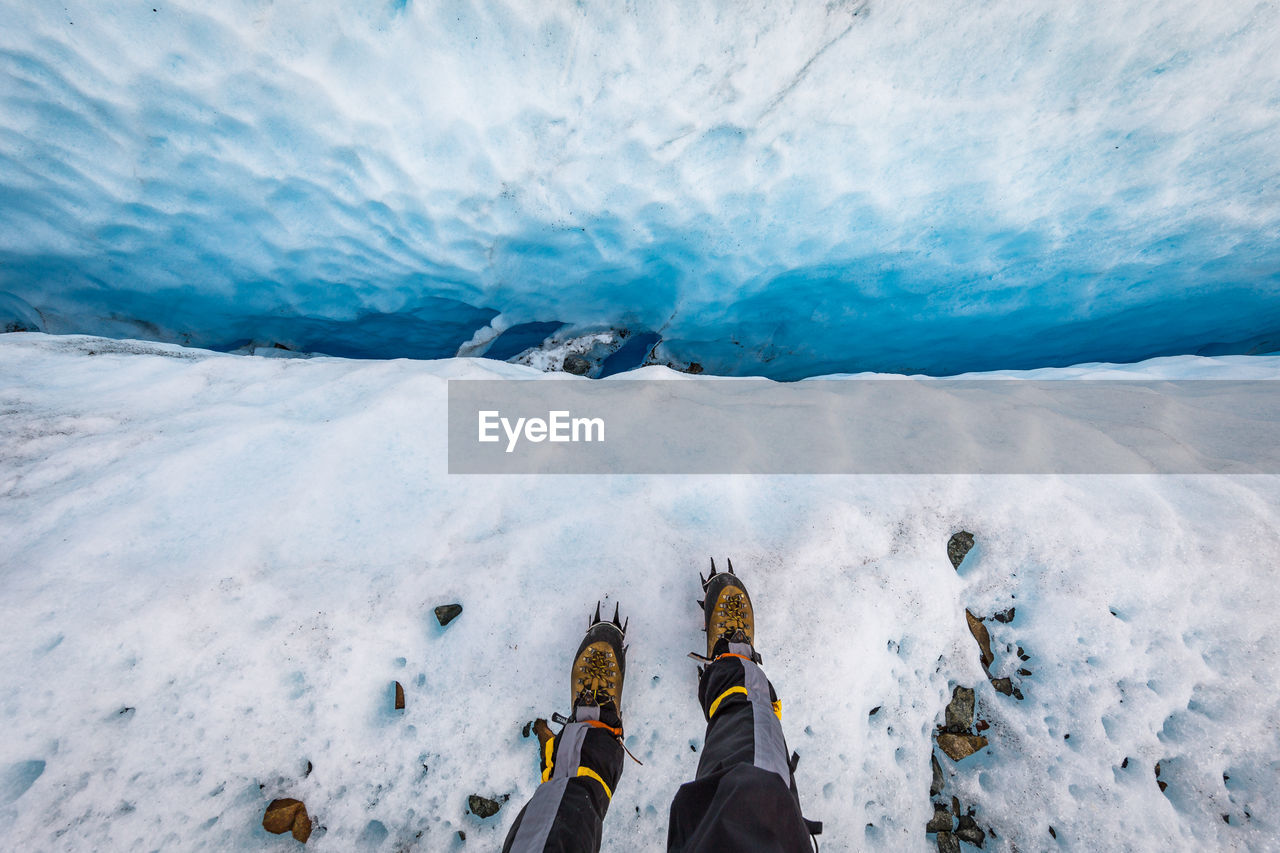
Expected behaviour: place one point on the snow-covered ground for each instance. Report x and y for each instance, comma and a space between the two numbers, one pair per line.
215, 566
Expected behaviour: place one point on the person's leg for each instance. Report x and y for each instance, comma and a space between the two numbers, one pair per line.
581, 765
744, 797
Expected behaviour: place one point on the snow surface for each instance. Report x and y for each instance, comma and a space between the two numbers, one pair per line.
244, 553
774, 189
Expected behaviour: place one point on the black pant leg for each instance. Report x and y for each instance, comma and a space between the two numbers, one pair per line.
744, 797
581, 767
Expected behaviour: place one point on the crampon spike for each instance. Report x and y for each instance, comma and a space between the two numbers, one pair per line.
702, 580
616, 620
713, 568
597, 619
730, 562
624, 626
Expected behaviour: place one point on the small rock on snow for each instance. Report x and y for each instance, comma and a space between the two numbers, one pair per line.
969, 831
958, 747
941, 820
446, 613
960, 710
286, 815
983, 637
482, 806
958, 546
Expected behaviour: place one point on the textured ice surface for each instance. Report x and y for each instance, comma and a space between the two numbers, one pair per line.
772, 189
215, 566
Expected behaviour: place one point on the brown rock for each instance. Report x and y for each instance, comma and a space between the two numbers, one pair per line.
280, 815
543, 731
1004, 685
399, 697
961, 746
980, 634
286, 815
947, 843
302, 826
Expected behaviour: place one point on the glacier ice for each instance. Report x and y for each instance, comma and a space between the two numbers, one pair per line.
772, 190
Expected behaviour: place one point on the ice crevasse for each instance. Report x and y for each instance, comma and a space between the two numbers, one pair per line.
759, 188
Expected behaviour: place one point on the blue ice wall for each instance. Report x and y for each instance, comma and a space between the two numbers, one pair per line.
771, 188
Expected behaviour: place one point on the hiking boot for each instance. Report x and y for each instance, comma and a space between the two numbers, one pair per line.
599, 668
727, 612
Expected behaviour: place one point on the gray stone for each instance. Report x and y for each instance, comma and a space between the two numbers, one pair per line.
1003, 685
935, 787
947, 843
969, 831
958, 546
576, 364
482, 806
960, 710
941, 820
446, 613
